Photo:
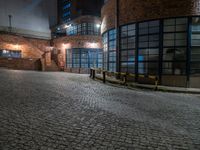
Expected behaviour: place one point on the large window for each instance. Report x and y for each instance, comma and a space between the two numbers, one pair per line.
69, 58
148, 47
105, 51
195, 51
112, 50
100, 59
83, 58
109, 50
127, 46
76, 61
83, 29
175, 46
10, 53
157, 47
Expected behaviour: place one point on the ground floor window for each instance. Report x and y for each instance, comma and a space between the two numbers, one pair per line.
195, 50
84, 58
168, 46
10, 53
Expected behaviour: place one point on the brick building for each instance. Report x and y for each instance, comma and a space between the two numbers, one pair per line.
147, 38
25, 33
77, 38
81, 47
157, 37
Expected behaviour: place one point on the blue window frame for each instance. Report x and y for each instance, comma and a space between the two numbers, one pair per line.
83, 58
128, 48
67, 6
112, 50
83, 29
148, 47
169, 46
10, 53
175, 46
195, 50
105, 51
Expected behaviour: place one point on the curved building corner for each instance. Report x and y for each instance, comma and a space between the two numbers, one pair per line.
158, 38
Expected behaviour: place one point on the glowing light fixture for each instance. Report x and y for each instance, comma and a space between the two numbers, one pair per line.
98, 25
67, 25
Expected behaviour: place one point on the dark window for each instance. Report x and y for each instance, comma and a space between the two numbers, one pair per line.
84, 58
148, 47
128, 44
175, 46
83, 29
195, 50
69, 58
105, 51
112, 50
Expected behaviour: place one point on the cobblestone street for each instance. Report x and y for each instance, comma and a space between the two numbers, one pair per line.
60, 111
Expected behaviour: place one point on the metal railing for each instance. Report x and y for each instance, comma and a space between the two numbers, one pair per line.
121, 76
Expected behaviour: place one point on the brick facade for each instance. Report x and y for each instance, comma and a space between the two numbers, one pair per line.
76, 41
21, 63
137, 10
32, 50
108, 15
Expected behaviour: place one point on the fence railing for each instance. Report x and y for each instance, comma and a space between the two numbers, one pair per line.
120, 76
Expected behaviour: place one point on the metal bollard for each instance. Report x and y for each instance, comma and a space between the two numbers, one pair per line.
125, 79
93, 74
156, 84
90, 73
104, 77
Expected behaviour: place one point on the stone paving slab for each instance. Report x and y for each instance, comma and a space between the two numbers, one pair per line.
60, 111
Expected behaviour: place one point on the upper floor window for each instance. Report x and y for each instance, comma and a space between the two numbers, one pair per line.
66, 6
67, 13
83, 29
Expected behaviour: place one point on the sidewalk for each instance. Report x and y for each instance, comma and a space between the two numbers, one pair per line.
152, 87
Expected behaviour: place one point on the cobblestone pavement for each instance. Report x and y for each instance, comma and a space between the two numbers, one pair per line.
60, 111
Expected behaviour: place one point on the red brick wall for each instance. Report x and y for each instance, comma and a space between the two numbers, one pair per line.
41, 44
108, 15
76, 41
140, 10
30, 48
20, 63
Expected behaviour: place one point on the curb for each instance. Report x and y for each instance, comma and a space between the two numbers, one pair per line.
151, 87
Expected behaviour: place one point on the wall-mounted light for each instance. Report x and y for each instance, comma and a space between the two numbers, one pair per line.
66, 46
98, 25
67, 26
92, 45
